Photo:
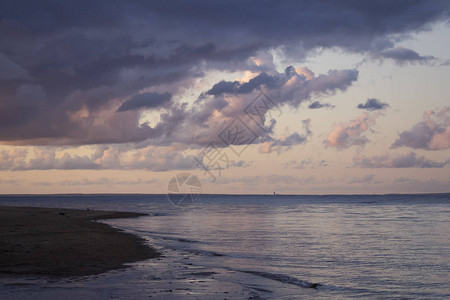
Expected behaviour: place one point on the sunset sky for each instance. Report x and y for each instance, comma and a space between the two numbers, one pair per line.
297, 97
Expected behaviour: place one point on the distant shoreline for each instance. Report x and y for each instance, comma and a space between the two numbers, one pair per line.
208, 194
65, 242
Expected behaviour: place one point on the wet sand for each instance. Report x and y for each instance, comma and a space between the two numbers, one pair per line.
65, 242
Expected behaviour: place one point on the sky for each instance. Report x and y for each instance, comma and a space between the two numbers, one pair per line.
293, 97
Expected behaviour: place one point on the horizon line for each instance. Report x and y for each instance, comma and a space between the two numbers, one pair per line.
219, 194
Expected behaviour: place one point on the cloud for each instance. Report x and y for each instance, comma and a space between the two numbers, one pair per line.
206, 117
13, 159
90, 59
235, 87
373, 104
412, 185
287, 141
350, 134
206, 120
284, 143
119, 157
10, 181
83, 182
151, 158
100, 181
317, 104
270, 180
406, 160
363, 180
290, 87
403, 55
433, 133
305, 164
240, 164
43, 159
11, 70
146, 100
159, 159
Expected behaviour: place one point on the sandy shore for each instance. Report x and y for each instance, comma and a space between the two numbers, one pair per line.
65, 242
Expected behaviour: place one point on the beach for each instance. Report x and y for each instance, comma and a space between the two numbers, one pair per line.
65, 242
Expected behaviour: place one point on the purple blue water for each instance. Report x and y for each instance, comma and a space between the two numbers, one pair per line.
265, 247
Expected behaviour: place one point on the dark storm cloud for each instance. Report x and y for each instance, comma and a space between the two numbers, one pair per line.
373, 104
10, 70
290, 87
87, 57
226, 87
146, 100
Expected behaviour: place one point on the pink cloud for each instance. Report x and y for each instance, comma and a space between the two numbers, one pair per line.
350, 134
433, 133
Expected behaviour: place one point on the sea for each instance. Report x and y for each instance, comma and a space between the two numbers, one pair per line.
264, 247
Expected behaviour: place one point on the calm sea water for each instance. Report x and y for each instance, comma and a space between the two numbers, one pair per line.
266, 247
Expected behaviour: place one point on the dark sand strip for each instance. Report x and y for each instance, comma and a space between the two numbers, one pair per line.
65, 242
